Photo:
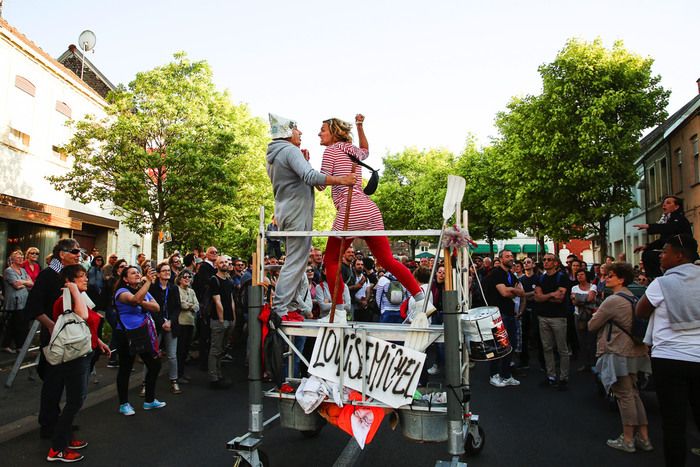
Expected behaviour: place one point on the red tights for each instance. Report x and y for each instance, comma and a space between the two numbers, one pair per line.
379, 246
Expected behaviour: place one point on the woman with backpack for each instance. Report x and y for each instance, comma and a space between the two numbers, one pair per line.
77, 371
620, 358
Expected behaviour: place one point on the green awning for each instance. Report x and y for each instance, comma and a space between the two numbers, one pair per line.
515, 248
425, 254
483, 249
532, 248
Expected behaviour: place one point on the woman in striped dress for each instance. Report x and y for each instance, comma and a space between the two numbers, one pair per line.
364, 214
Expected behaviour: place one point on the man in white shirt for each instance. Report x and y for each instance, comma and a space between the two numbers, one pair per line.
672, 304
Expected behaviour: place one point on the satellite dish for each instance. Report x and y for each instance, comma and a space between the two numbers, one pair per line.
87, 40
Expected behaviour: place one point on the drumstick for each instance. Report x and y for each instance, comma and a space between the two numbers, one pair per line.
346, 221
448, 269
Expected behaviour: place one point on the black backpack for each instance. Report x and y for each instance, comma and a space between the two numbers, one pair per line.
639, 325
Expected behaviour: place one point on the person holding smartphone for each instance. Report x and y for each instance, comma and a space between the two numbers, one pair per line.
134, 307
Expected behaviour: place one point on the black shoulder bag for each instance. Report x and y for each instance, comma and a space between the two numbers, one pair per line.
373, 182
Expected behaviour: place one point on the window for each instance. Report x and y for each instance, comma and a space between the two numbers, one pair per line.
679, 162
21, 100
25, 85
60, 153
63, 108
652, 184
696, 162
663, 179
19, 139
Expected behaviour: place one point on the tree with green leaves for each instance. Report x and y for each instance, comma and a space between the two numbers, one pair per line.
485, 197
571, 150
172, 154
412, 189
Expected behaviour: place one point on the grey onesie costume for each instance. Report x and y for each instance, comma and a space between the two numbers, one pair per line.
293, 180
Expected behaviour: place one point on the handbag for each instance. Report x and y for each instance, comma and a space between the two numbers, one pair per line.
71, 337
139, 338
373, 182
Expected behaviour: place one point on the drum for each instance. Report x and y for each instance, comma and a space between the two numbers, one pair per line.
485, 334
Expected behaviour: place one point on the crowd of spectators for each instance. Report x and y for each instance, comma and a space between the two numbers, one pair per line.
196, 307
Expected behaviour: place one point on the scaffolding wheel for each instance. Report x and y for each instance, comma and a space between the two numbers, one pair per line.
240, 461
474, 442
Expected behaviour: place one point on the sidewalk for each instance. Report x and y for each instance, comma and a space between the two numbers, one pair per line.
19, 405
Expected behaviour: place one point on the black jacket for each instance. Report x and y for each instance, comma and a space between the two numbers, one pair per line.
677, 224
169, 310
47, 288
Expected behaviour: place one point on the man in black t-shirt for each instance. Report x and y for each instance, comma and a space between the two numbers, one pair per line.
501, 288
222, 321
530, 329
550, 295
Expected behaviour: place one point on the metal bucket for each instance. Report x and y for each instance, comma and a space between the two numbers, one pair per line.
485, 334
426, 426
293, 416
423, 426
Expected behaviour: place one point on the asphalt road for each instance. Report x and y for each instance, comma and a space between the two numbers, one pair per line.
525, 426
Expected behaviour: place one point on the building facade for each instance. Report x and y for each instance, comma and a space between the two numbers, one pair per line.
38, 96
669, 164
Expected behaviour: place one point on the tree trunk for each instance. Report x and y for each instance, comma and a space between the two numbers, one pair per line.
603, 239
414, 244
154, 244
540, 251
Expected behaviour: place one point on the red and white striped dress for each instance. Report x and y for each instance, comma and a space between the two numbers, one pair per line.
364, 214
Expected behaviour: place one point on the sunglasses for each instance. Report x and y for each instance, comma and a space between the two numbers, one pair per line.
74, 251
187, 276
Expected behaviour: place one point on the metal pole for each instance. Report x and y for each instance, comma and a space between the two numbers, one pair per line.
255, 417
455, 422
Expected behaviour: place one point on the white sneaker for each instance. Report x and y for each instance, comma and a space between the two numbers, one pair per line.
510, 382
433, 370
417, 305
497, 381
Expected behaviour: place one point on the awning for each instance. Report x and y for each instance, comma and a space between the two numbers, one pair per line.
532, 248
515, 248
425, 254
483, 249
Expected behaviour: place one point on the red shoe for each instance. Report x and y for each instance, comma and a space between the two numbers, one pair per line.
77, 444
67, 455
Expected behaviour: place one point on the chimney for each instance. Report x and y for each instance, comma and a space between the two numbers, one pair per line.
73, 48
698, 81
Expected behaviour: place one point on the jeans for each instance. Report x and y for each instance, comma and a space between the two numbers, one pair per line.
168, 343
299, 342
183, 347
220, 334
126, 362
171, 350
501, 366
75, 377
553, 332
391, 316
677, 384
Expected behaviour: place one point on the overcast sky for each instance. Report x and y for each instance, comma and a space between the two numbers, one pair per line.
425, 74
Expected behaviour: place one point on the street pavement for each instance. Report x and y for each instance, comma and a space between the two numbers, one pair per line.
525, 426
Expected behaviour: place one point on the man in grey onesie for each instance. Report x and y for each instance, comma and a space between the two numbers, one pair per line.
293, 180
